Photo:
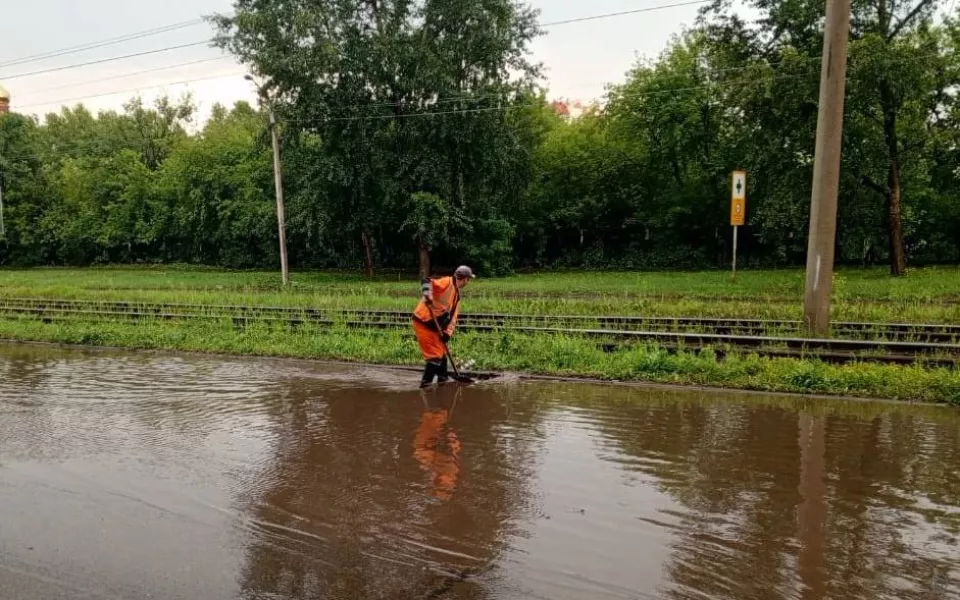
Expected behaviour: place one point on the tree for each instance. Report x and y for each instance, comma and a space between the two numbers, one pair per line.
900, 77
683, 140
430, 220
415, 132
218, 189
406, 96
24, 191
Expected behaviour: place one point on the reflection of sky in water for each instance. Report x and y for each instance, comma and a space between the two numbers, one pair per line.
126, 474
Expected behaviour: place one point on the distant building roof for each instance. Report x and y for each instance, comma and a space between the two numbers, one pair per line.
571, 108
4, 94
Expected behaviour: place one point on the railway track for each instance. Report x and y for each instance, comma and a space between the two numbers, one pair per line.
639, 296
794, 298
896, 343
913, 332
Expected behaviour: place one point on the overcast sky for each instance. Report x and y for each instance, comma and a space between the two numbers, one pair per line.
580, 58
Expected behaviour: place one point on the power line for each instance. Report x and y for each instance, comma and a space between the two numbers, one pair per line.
102, 43
723, 84
115, 92
184, 24
193, 22
649, 93
131, 74
719, 84
623, 13
449, 112
375, 105
476, 98
105, 60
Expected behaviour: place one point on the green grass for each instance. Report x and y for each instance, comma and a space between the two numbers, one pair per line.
549, 355
932, 283
926, 295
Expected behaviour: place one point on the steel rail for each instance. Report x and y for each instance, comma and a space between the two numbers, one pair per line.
931, 333
834, 350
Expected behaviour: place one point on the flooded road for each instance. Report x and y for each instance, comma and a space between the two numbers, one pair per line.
166, 476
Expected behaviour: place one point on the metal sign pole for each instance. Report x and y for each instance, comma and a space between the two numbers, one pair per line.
734, 274
738, 210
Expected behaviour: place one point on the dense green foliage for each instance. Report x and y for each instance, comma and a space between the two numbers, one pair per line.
415, 129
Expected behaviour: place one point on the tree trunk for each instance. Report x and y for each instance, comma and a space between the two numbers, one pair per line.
898, 261
367, 254
424, 260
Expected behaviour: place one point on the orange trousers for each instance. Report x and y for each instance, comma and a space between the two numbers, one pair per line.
430, 344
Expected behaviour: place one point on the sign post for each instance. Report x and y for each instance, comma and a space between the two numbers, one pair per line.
738, 210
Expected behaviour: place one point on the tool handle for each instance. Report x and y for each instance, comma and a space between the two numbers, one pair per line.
446, 350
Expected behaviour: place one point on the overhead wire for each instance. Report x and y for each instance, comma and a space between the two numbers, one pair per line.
648, 93
175, 26
104, 60
116, 92
101, 43
479, 97
470, 98
520, 106
643, 94
131, 74
623, 13
193, 22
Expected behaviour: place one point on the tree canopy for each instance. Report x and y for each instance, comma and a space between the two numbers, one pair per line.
417, 132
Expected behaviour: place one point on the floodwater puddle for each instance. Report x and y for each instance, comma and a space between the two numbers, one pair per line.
165, 476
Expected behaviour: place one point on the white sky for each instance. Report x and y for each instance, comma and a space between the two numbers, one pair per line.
580, 58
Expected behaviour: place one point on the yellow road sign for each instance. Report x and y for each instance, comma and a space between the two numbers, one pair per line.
738, 198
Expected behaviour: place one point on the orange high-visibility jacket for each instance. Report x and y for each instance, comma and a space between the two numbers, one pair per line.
445, 307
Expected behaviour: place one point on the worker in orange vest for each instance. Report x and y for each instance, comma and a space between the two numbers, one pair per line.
439, 306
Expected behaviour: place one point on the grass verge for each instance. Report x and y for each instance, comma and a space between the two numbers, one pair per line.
925, 296
505, 351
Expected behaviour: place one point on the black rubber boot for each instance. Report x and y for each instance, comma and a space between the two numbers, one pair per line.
442, 375
429, 372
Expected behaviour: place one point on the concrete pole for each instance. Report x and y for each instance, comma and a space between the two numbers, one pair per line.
278, 182
3, 230
826, 169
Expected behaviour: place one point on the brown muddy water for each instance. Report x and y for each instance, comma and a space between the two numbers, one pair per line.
161, 476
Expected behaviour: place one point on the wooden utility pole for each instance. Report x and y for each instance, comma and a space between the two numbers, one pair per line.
826, 169
278, 183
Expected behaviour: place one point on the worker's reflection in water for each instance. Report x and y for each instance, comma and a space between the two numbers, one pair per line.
435, 445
